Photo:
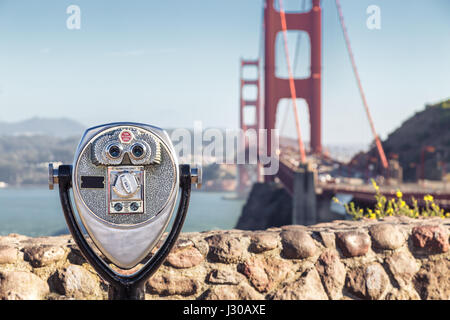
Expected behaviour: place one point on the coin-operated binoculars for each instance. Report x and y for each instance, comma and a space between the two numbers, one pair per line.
125, 180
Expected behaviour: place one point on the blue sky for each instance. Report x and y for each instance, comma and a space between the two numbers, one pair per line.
172, 62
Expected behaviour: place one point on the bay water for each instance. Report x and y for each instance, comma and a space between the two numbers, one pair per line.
37, 212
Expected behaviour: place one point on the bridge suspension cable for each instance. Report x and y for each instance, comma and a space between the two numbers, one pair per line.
361, 91
292, 84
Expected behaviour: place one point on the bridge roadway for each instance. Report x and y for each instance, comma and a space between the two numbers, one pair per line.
363, 193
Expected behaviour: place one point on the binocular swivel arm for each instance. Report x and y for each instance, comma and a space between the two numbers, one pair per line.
124, 287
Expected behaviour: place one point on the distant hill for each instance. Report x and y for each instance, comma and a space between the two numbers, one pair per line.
62, 127
24, 159
429, 127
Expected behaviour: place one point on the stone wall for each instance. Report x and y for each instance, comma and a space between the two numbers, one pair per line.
395, 258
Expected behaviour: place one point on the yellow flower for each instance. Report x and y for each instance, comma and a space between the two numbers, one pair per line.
402, 204
375, 185
428, 198
399, 194
336, 200
372, 216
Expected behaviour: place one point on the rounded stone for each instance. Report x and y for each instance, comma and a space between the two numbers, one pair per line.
264, 273
432, 239
20, 285
353, 243
377, 281
297, 244
223, 276
171, 284
227, 248
387, 236
77, 282
264, 241
307, 287
332, 272
403, 267
185, 257
8, 254
43, 255
368, 282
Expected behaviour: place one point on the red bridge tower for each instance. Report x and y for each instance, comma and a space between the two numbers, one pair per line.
245, 124
309, 88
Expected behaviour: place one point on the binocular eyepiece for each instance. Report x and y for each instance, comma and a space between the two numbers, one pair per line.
125, 179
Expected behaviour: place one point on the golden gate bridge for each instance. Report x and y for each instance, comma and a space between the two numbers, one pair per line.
298, 167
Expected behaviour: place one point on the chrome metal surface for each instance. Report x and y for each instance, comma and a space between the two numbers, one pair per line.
126, 239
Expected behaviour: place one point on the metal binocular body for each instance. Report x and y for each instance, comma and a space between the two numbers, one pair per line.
126, 181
